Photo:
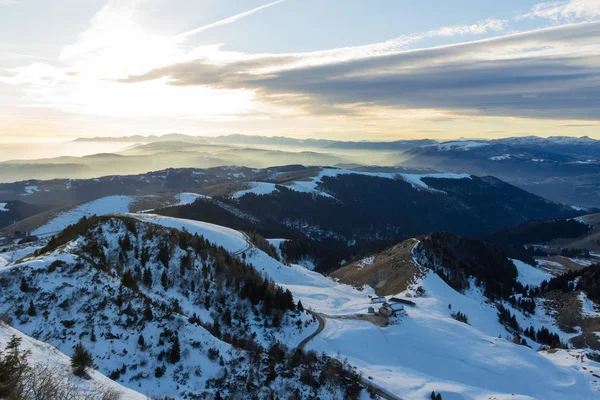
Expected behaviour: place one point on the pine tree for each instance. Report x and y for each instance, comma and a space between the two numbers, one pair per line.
13, 367
24, 285
129, 281
142, 341
300, 307
163, 254
164, 280
148, 314
147, 278
82, 359
175, 352
31, 311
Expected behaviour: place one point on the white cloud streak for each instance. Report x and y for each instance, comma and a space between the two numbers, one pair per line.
226, 21
565, 11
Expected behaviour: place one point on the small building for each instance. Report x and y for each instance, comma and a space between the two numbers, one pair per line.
390, 310
378, 300
402, 301
371, 310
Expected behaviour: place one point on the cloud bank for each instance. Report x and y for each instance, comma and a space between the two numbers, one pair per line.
549, 73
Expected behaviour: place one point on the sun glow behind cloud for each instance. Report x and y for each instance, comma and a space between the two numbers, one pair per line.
114, 47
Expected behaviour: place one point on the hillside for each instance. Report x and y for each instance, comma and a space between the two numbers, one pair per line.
103, 277
165, 311
13, 211
55, 220
388, 272
392, 206
557, 245
49, 375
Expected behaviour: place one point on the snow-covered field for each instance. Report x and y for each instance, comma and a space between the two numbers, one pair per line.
257, 188
183, 199
588, 309
529, 275
102, 206
44, 354
430, 351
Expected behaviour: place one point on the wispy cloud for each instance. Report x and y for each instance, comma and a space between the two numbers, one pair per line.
548, 73
565, 11
225, 21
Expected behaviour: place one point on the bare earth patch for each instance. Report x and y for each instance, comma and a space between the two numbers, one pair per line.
388, 272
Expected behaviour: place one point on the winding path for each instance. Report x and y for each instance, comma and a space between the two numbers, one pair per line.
315, 333
378, 390
249, 245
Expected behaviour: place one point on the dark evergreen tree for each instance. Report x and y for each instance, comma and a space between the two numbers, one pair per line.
148, 314
129, 281
174, 354
31, 311
82, 360
142, 341
163, 254
24, 285
13, 367
147, 278
164, 280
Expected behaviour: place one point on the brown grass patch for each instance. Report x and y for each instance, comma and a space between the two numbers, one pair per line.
391, 272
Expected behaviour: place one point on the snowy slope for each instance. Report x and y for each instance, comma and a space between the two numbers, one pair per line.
15, 254
183, 199
232, 240
102, 206
257, 188
529, 275
429, 350
42, 353
312, 185
80, 293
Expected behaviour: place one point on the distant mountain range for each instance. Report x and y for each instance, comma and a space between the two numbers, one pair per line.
267, 141
563, 169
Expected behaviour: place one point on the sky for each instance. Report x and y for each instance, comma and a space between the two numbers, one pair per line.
335, 69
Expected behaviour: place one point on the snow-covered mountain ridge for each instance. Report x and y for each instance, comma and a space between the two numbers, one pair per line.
166, 312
